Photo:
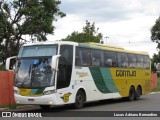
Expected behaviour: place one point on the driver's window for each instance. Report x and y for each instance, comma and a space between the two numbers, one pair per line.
65, 66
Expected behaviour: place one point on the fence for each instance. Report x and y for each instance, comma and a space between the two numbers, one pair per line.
6, 89
154, 80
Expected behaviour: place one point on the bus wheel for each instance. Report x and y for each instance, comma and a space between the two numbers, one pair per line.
45, 107
131, 96
80, 99
138, 93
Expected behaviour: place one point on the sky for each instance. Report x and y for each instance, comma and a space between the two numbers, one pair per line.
125, 23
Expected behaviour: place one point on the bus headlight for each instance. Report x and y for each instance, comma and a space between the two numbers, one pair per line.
16, 92
48, 92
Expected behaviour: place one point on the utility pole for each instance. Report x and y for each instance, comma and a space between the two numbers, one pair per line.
106, 39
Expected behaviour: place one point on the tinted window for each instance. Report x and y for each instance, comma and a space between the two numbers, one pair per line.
83, 57
132, 61
122, 60
110, 59
139, 61
146, 62
38, 50
97, 58
65, 66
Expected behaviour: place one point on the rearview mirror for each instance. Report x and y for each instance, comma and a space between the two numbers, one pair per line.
54, 61
11, 62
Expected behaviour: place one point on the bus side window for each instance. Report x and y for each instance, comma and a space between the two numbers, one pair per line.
97, 57
78, 57
86, 57
139, 61
122, 60
110, 59
83, 57
132, 61
146, 62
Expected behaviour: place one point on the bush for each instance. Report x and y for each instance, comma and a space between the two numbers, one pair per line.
2, 68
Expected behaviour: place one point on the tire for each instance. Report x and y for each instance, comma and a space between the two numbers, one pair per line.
79, 100
45, 107
138, 93
131, 96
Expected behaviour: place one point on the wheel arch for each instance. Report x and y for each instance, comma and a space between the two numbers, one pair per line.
133, 87
84, 91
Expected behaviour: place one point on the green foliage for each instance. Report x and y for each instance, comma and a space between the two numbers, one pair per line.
155, 36
89, 34
155, 59
2, 68
155, 31
33, 18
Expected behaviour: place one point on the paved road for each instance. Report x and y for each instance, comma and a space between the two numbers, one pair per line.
150, 102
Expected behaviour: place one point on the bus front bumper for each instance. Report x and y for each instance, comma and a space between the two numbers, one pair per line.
38, 100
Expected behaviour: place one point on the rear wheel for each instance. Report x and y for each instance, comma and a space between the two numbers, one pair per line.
131, 96
138, 93
80, 99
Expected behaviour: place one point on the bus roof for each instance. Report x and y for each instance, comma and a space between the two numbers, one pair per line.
110, 48
51, 43
88, 45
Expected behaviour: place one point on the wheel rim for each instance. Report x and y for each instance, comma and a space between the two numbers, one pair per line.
131, 94
138, 92
79, 99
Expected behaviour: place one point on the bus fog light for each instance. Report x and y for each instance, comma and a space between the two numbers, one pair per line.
48, 92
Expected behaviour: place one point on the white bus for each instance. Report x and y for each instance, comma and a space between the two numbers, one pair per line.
61, 72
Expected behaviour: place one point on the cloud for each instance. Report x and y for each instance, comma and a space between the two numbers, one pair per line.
111, 10
127, 23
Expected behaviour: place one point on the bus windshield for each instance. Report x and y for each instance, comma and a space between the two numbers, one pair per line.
34, 73
33, 68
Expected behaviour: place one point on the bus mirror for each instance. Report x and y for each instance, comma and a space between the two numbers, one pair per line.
11, 62
54, 61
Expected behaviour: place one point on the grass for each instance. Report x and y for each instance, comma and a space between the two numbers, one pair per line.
158, 86
10, 106
2, 68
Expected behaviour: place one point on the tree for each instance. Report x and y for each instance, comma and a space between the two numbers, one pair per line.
18, 18
155, 37
155, 32
155, 59
89, 34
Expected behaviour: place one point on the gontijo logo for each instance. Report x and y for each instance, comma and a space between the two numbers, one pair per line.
125, 73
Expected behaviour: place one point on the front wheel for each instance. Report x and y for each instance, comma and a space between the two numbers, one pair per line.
80, 99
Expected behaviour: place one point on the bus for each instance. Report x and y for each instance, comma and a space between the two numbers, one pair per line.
62, 72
